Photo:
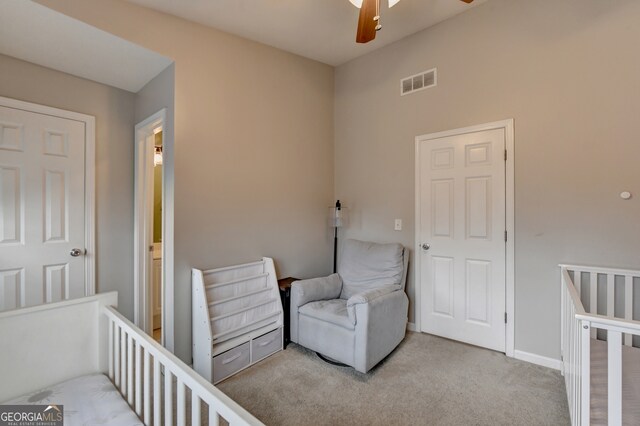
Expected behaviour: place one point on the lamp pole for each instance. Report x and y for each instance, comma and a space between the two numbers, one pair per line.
335, 236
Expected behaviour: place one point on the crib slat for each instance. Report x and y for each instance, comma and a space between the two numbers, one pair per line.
614, 367
214, 419
130, 370
567, 355
116, 355
147, 386
628, 306
577, 369
593, 299
572, 365
168, 398
138, 373
123, 362
195, 409
111, 348
584, 392
562, 324
157, 392
611, 301
571, 360
181, 402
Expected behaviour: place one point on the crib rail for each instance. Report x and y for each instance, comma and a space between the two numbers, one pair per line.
136, 366
579, 327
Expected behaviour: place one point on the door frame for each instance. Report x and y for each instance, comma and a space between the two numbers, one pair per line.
508, 126
143, 231
89, 122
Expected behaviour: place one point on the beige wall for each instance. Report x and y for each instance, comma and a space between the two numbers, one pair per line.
113, 109
253, 147
254, 162
568, 73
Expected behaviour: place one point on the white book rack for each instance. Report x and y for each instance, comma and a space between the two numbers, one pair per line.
237, 318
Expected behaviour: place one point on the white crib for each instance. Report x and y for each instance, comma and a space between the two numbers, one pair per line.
52, 343
601, 366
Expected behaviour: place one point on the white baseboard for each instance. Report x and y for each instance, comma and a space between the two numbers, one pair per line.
556, 364
411, 326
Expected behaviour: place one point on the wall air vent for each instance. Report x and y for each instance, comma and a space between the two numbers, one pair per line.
418, 82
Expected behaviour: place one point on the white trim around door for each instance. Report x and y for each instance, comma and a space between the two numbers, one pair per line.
90, 179
508, 126
143, 231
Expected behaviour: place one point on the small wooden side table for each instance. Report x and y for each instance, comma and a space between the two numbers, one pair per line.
285, 296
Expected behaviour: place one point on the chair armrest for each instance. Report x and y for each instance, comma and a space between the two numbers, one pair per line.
305, 291
372, 294
381, 326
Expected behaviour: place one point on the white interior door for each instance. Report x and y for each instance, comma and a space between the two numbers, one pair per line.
462, 236
42, 208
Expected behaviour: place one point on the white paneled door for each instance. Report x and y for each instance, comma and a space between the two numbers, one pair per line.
462, 237
42, 208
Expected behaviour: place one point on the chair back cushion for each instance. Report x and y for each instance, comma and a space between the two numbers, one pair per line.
366, 265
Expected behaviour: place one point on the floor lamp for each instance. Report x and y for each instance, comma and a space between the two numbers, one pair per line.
337, 219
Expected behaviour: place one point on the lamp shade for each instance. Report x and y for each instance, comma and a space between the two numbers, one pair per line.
338, 217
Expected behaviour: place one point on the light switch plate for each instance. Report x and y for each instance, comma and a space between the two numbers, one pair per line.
398, 225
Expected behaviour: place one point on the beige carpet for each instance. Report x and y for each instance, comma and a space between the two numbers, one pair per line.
426, 381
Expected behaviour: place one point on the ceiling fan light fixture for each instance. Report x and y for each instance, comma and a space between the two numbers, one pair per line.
358, 3
369, 18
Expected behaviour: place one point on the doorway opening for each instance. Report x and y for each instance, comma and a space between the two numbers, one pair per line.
156, 274
149, 244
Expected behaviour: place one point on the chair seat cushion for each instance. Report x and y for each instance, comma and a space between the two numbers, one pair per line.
331, 311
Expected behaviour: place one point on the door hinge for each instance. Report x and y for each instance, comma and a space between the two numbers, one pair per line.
505, 236
505, 155
505, 317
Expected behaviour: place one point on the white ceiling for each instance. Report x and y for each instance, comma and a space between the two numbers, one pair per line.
324, 30
37, 34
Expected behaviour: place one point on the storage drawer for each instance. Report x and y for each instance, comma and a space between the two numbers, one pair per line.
266, 344
231, 361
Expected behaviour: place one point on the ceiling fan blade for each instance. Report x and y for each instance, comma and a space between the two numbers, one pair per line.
467, 1
366, 24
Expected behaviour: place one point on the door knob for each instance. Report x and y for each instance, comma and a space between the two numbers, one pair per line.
425, 246
75, 252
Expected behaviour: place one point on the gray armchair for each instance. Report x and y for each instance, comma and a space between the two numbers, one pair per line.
359, 315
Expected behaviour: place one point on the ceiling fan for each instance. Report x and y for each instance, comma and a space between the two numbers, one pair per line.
369, 20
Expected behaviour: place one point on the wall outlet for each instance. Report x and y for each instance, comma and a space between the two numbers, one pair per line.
398, 225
